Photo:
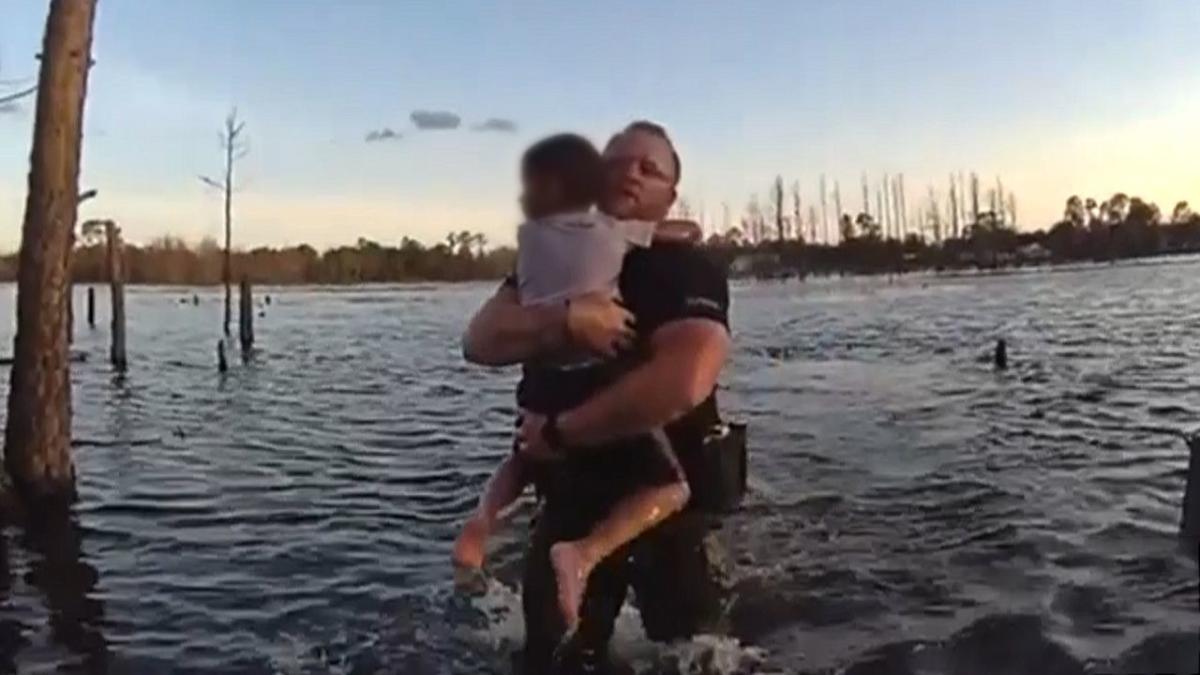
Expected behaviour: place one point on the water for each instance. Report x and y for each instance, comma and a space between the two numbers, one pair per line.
911, 510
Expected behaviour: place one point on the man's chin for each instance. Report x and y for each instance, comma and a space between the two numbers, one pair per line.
620, 208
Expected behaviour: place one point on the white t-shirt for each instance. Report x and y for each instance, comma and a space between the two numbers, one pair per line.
566, 255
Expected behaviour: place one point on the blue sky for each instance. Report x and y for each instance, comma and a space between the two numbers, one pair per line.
1056, 97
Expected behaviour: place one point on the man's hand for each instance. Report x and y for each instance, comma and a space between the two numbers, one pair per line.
531, 439
599, 323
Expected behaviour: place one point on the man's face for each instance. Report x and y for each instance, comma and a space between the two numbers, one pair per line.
639, 177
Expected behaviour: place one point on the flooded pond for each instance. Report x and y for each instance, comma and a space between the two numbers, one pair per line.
911, 510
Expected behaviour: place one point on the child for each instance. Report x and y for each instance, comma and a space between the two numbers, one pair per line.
567, 249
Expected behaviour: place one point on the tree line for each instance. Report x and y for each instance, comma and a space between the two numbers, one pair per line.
867, 243
462, 256
975, 229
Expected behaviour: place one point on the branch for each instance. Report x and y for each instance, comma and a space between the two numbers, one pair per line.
211, 183
10, 98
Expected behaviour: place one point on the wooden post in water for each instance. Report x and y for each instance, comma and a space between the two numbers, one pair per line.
1189, 530
37, 439
222, 362
1000, 358
116, 281
246, 316
91, 306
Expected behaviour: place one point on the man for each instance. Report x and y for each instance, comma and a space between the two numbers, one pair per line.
679, 302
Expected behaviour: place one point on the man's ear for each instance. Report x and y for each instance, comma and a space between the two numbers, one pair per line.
674, 195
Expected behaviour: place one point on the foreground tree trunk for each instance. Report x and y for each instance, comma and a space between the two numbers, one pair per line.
37, 437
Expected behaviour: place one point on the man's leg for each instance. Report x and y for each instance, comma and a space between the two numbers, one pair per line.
680, 576
544, 624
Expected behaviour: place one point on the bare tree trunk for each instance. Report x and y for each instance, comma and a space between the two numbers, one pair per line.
246, 317
38, 431
228, 267
116, 280
954, 210
974, 199
824, 212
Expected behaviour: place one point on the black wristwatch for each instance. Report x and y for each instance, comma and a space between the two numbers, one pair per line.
553, 435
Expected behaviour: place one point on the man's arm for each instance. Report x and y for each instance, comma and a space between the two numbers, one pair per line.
503, 332
686, 357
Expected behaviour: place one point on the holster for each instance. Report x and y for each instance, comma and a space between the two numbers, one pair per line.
718, 480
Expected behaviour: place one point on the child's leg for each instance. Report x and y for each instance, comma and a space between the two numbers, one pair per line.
630, 517
502, 489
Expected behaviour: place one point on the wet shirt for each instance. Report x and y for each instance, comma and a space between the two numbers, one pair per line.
663, 283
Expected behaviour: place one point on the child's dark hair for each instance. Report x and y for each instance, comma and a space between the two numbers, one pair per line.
572, 160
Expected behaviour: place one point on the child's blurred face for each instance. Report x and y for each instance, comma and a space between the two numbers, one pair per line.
541, 195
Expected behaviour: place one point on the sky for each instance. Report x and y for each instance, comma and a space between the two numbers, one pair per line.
1055, 97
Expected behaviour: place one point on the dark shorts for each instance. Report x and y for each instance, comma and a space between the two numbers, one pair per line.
676, 571
677, 579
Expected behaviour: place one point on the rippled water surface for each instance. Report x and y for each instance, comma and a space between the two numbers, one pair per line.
912, 511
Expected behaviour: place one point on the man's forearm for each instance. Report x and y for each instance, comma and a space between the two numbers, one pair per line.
503, 332
673, 382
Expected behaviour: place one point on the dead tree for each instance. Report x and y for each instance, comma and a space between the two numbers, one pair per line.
235, 147
116, 282
866, 195
38, 431
246, 317
953, 208
837, 205
824, 211
974, 199
887, 207
796, 219
777, 199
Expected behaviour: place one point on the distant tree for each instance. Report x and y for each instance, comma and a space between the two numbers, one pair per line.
1118, 208
797, 222
846, 227
1181, 213
1075, 213
777, 208
868, 227
234, 147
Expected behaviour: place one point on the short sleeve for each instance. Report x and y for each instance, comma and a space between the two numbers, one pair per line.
669, 282
639, 233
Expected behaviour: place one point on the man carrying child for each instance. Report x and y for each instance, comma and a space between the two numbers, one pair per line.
613, 487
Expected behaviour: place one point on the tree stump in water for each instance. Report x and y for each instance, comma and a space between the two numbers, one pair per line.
1000, 358
38, 426
1189, 530
116, 281
246, 316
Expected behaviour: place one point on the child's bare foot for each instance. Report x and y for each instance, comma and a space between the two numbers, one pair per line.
571, 568
470, 545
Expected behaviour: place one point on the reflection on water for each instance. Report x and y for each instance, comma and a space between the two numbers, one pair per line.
51, 552
912, 511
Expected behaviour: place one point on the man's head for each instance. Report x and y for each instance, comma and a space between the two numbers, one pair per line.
641, 170
560, 174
